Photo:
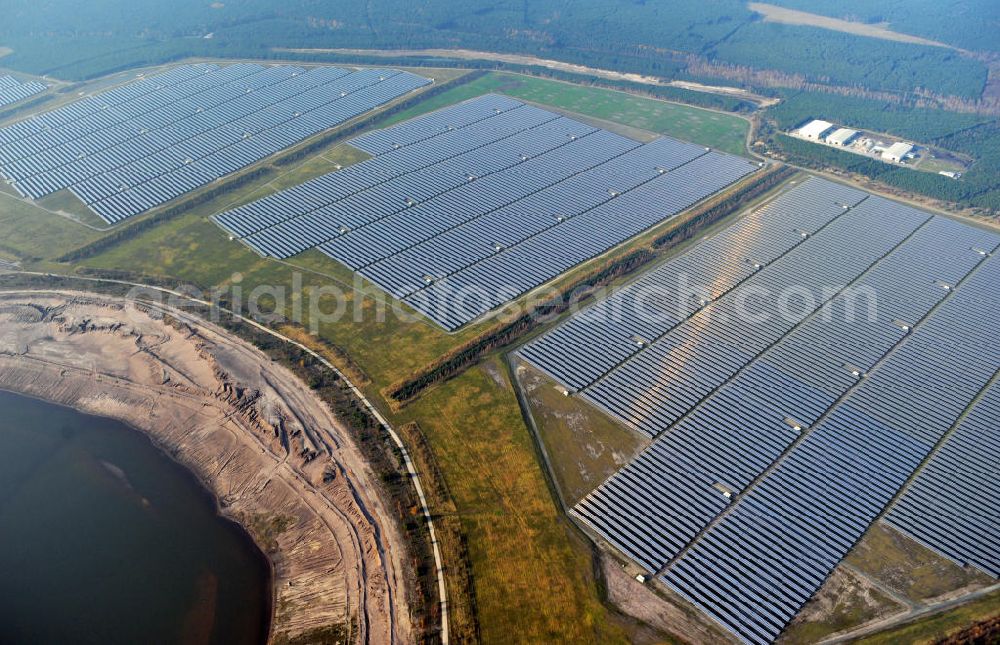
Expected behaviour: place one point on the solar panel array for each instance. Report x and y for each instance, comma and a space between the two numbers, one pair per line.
951, 505
621, 326
13, 90
465, 209
140, 145
779, 439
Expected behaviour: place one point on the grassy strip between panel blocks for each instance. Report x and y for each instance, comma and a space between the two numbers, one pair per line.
131, 231
461, 358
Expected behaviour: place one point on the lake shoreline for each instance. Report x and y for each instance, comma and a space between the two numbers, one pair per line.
209, 497
221, 410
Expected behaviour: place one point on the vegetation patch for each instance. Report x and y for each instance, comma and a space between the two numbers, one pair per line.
974, 136
979, 633
908, 567
978, 188
463, 621
533, 573
938, 628
131, 231
30, 232
331, 635
460, 358
266, 529
845, 601
583, 447
717, 130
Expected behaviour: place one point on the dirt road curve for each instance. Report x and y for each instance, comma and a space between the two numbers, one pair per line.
273, 454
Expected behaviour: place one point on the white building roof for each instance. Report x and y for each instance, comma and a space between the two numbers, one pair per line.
898, 150
815, 128
841, 136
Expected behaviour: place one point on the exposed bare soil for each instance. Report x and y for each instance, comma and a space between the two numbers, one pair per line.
271, 452
641, 602
774, 13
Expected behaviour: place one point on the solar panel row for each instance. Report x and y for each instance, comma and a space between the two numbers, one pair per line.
268, 136
438, 122
13, 90
115, 159
517, 269
566, 157
474, 240
590, 344
123, 134
319, 197
468, 207
48, 129
361, 228
660, 383
853, 333
755, 568
170, 135
734, 436
741, 431
951, 505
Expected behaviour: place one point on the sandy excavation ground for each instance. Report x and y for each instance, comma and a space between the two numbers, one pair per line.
271, 452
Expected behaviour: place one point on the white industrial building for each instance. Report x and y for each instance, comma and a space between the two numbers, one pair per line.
841, 137
897, 151
815, 129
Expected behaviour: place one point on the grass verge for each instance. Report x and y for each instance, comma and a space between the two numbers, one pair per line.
533, 575
939, 627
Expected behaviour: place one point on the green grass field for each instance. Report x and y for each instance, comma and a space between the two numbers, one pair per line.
63, 202
28, 231
844, 602
583, 445
908, 567
717, 130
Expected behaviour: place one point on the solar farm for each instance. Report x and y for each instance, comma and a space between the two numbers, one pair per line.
137, 146
782, 426
13, 90
463, 210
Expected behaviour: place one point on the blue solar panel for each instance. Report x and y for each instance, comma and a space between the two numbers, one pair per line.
132, 148
659, 383
762, 475
13, 90
805, 515
639, 314
466, 208
951, 506
413, 131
